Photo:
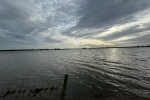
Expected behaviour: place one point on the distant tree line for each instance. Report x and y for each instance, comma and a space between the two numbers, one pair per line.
72, 48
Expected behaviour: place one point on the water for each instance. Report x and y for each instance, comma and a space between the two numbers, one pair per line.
93, 73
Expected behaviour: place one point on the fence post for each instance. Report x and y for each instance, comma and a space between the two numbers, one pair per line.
64, 87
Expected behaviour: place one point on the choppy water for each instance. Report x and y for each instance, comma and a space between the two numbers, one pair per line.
93, 73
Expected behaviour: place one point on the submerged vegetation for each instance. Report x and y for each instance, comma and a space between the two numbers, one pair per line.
30, 93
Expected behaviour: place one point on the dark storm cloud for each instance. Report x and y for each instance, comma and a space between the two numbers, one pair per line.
98, 13
104, 14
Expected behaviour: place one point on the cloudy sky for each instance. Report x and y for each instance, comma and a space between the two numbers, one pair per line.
73, 23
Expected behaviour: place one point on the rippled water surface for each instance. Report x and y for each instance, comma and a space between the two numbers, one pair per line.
93, 73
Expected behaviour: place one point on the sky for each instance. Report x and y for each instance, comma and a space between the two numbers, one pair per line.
37, 24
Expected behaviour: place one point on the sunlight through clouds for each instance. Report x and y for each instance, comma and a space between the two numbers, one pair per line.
73, 23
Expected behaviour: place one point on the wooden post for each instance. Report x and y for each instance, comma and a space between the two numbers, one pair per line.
64, 87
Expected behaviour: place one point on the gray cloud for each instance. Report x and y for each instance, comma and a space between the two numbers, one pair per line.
36, 22
140, 40
132, 31
25, 21
104, 14
50, 40
99, 13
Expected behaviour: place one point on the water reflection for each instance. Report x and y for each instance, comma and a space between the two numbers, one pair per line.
93, 73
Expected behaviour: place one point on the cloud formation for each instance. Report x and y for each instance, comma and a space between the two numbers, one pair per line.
71, 23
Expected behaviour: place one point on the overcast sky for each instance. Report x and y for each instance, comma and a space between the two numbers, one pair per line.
35, 24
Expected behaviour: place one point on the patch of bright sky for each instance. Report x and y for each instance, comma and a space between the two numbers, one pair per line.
132, 37
109, 31
80, 41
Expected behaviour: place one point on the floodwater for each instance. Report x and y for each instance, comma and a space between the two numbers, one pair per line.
92, 73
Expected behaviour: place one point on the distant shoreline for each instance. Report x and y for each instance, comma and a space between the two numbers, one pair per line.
69, 48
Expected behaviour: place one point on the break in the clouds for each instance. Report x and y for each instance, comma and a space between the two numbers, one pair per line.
73, 23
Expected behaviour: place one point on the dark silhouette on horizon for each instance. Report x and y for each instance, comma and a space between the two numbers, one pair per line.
72, 48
